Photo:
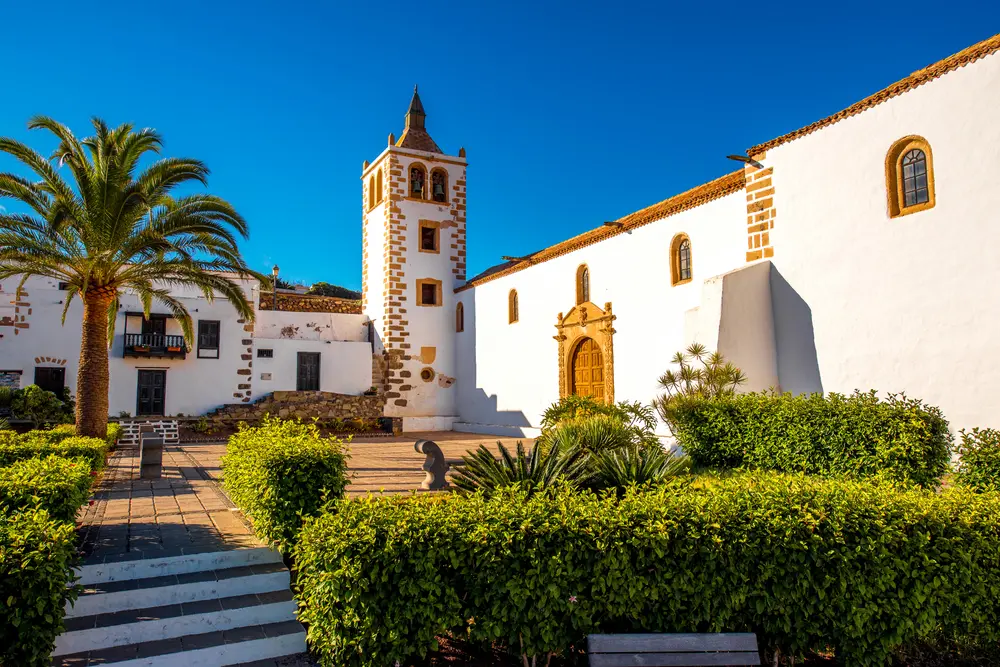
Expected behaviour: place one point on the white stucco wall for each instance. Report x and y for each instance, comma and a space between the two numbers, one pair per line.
508, 373
345, 367
311, 326
194, 385
902, 304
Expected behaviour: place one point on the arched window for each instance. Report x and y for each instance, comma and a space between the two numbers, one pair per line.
680, 260
439, 185
582, 284
459, 318
418, 181
378, 187
371, 192
909, 176
512, 306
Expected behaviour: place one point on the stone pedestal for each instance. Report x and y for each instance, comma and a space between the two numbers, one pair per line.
150, 454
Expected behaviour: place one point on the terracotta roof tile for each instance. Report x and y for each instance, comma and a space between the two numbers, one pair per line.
702, 194
918, 78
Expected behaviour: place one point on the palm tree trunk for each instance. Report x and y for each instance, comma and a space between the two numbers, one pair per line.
93, 378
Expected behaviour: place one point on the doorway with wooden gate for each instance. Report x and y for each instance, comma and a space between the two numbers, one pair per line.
588, 369
151, 393
307, 377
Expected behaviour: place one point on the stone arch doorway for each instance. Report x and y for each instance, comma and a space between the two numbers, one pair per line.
588, 369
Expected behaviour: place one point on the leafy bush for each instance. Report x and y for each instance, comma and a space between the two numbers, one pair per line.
57, 484
36, 554
638, 419
533, 471
44, 443
806, 563
114, 433
979, 465
901, 439
39, 406
281, 471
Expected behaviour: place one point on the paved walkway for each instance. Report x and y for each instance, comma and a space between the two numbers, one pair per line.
187, 512
184, 512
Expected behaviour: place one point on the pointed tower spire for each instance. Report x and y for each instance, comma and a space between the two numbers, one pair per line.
415, 114
414, 134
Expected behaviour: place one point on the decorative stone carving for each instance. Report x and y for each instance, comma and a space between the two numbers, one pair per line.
434, 465
586, 320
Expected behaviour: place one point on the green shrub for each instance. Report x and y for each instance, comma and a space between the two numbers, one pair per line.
44, 443
533, 470
900, 439
634, 466
36, 554
979, 465
56, 484
806, 563
41, 406
114, 433
638, 419
281, 471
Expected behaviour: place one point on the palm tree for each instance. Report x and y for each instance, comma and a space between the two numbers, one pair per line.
116, 227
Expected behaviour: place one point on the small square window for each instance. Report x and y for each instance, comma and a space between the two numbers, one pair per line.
429, 237
63, 286
428, 294
265, 353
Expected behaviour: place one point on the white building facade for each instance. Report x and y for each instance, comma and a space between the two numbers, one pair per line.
855, 253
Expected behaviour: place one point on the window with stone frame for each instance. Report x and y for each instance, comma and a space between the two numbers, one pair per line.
439, 185
582, 284
680, 260
909, 176
429, 237
428, 292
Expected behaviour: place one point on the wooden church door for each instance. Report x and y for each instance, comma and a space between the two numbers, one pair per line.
588, 369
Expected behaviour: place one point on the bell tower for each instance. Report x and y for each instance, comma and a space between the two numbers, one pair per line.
413, 216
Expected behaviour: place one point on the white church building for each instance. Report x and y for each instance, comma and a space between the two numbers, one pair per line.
859, 252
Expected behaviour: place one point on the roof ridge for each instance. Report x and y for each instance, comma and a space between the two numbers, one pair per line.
696, 196
918, 78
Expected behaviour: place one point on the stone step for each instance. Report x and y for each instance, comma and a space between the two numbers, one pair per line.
236, 646
178, 589
207, 609
158, 567
92, 633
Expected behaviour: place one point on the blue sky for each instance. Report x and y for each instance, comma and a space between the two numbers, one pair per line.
571, 113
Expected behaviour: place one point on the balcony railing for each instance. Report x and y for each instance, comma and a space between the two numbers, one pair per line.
154, 345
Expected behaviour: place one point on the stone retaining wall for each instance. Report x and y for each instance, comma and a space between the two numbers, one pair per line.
309, 303
306, 405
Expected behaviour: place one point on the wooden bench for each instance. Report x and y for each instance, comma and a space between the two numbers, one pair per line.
672, 650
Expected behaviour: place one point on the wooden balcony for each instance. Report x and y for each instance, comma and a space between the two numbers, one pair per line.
154, 345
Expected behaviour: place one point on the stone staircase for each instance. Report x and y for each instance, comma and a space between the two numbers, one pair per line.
305, 405
199, 610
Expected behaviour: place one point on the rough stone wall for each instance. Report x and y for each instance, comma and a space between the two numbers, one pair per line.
22, 308
395, 335
244, 375
306, 405
760, 210
309, 303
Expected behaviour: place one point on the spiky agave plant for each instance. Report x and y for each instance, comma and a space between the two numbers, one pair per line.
630, 466
532, 470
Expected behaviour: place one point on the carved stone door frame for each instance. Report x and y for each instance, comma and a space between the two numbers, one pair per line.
586, 320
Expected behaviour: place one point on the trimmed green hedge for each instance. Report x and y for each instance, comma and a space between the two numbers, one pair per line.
44, 443
56, 484
900, 439
979, 466
36, 554
281, 471
806, 563
114, 433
